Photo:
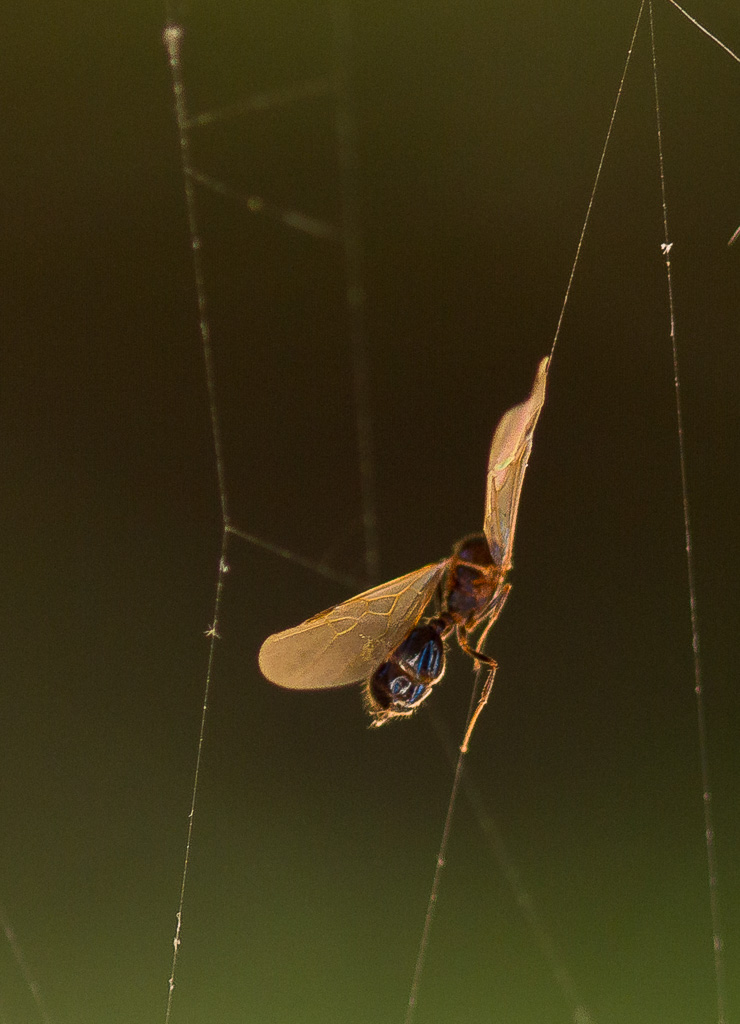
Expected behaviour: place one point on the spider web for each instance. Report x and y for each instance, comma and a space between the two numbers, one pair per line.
313, 840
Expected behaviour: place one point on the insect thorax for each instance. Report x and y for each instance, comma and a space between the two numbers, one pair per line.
472, 581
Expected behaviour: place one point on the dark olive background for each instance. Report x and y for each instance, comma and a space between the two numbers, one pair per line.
314, 844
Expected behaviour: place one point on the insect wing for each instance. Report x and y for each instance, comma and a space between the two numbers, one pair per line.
344, 644
507, 462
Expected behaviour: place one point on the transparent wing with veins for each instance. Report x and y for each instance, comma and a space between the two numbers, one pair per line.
507, 462
345, 644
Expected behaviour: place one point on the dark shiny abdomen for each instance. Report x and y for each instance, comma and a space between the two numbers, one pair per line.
406, 678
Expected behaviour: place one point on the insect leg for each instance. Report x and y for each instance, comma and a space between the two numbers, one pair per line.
480, 660
482, 701
492, 615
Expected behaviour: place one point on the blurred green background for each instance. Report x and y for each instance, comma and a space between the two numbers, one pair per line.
480, 128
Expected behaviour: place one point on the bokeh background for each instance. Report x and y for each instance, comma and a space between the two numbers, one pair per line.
479, 128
